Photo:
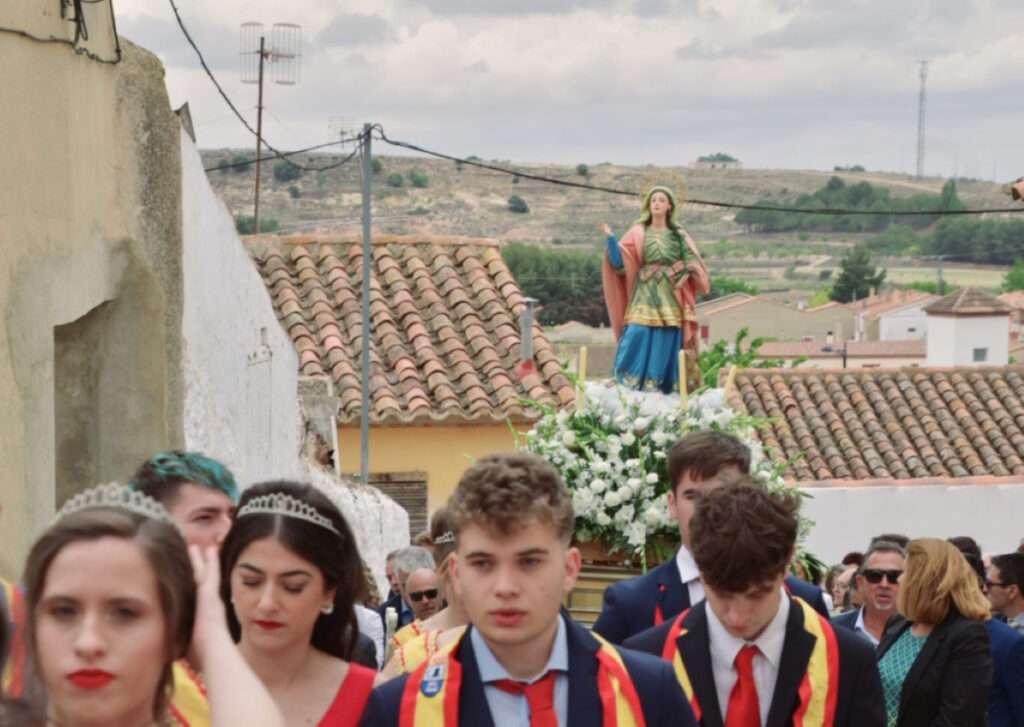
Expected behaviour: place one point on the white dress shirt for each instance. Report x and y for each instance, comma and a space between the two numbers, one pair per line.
725, 647
860, 628
689, 575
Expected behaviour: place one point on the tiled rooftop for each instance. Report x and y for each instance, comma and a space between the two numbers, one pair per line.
854, 349
968, 302
445, 317
879, 425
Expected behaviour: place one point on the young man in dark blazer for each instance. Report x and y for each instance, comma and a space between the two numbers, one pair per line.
523, 662
697, 463
752, 654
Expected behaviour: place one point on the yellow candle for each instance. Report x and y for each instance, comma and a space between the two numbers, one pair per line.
581, 376
684, 401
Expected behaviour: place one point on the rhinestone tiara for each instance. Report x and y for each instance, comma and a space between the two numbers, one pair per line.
116, 496
278, 503
447, 537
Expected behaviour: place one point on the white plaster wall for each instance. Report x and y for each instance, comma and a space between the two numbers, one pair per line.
896, 327
952, 340
847, 518
380, 524
241, 370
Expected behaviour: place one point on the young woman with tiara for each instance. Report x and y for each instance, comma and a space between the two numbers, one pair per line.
652, 278
445, 626
292, 576
112, 602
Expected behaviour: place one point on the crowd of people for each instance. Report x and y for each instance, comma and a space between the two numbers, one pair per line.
177, 600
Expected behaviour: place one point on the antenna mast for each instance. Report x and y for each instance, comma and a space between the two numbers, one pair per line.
921, 107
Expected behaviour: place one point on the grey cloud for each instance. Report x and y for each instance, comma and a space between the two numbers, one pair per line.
871, 24
700, 51
664, 8
510, 7
480, 67
356, 29
164, 38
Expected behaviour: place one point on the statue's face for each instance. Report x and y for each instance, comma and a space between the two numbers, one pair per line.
660, 204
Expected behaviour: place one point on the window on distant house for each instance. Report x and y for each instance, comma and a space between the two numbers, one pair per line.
980, 355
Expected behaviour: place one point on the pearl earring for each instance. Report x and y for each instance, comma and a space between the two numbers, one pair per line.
327, 610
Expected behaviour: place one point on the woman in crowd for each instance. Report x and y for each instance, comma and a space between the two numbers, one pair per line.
292, 575
935, 659
446, 625
112, 603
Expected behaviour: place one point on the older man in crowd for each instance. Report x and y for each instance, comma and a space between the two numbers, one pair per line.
423, 593
878, 583
1005, 585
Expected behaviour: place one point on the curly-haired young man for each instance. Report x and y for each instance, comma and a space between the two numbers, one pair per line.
523, 662
752, 654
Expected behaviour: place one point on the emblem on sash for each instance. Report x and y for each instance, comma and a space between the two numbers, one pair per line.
433, 680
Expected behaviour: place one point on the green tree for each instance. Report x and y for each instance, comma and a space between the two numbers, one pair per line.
418, 179
518, 204
246, 224
565, 282
294, 192
723, 355
1014, 279
857, 276
285, 171
583, 170
724, 285
243, 162
376, 165
395, 180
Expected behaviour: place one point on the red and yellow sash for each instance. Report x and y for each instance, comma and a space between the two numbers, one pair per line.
189, 706
406, 634
12, 681
431, 696
819, 689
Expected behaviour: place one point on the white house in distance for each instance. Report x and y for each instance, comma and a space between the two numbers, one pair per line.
968, 328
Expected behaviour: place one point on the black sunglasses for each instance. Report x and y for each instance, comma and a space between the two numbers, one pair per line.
993, 584
417, 596
874, 576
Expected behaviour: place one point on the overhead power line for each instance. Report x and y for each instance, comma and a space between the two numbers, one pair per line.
833, 211
285, 155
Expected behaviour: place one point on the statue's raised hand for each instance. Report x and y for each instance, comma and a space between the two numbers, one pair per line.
605, 228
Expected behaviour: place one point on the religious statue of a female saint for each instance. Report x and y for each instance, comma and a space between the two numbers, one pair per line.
652, 278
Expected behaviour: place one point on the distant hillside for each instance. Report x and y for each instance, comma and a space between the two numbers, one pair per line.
470, 201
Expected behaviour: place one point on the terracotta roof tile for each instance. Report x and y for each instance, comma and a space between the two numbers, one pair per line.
889, 424
444, 315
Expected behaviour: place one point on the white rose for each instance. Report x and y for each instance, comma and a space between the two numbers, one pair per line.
628, 439
611, 498
598, 485
636, 534
634, 483
651, 516
641, 424
659, 438
652, 478
569, 438
603, 520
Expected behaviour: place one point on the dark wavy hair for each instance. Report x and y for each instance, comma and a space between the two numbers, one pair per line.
336, 557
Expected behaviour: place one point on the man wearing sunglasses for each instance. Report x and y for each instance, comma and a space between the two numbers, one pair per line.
1005, 586
878, 583
423, 592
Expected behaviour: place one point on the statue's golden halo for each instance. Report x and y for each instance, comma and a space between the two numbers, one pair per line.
670, 178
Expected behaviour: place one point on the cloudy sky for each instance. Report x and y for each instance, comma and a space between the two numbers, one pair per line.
778, 83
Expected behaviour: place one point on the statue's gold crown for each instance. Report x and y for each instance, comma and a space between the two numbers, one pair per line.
278, 503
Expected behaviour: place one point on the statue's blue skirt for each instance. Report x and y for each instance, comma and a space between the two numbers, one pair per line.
647, 358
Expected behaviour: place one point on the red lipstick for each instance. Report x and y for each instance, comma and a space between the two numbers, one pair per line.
269, 625
90, 678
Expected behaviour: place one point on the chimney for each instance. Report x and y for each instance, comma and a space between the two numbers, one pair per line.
526, 365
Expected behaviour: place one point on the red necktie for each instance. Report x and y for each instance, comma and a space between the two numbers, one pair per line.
540, 696
744, 710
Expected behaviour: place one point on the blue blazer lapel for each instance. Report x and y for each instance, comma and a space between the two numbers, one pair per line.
673, 597
584, 701
796, 653
695, 649
473, 707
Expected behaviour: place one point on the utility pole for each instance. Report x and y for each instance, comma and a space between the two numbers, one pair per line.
364, 419
921, 108
283, 56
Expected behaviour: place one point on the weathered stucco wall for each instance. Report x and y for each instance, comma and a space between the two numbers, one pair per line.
89, 215
846, 518
240, 368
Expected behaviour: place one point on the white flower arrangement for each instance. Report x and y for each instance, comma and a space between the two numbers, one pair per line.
612, 455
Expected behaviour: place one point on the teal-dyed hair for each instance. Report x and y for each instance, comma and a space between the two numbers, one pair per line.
161, 475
